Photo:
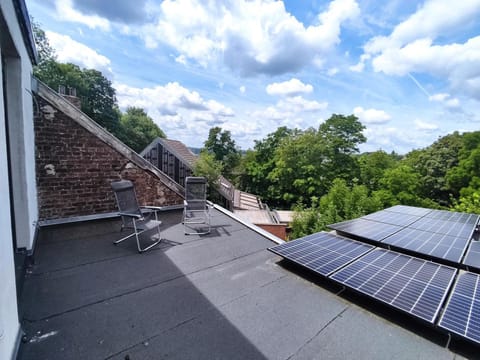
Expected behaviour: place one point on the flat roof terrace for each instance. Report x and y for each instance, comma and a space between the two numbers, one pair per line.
216, 296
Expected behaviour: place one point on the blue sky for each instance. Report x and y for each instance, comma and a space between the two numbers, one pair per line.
409, 70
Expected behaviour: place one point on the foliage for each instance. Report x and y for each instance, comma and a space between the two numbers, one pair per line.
138, 129
95, 91
342, 202
433, 163
308, 161
372, 167
469, 203
221, 145
207, 166
257, 164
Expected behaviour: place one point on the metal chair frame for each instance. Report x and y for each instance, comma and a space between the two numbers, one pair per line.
138, 218
195, 204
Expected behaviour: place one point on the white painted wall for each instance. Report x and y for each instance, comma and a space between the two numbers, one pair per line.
22, 138
21, 135
9, 325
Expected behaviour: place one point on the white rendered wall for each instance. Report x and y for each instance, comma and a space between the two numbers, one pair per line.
21, 132
9, 326
21, 137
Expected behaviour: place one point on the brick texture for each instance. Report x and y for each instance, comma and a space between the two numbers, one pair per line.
75, 168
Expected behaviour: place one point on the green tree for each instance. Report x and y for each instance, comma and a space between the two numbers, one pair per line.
433, 163
95, 91
373, 166
212, 169
257, 164
221, 145
307, 162
342, 202
138, 129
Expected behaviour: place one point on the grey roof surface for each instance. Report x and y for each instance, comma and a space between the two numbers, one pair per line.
216, 296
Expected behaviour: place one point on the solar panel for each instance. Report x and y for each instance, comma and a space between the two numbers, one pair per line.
371, 230
473, 255
413, 285
462, 312
453, 216
447, 227
410, 210
393, 218
321, 252
436, 245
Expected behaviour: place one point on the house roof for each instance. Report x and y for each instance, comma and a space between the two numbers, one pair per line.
179, 149
221, 295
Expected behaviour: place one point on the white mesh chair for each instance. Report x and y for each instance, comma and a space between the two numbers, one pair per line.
196, 210
135, 217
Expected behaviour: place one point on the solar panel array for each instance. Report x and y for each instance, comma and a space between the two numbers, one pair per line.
440, 234
398, 278
413, 285
322, 252
462, 312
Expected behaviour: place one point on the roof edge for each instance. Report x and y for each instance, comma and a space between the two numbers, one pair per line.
26, 29
170, 149
91, 126
253, 227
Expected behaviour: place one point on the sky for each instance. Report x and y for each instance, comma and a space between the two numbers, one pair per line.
409, 70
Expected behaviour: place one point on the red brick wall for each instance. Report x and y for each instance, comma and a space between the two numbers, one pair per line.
75, 168
279, 230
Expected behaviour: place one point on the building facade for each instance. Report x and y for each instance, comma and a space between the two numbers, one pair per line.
19, 213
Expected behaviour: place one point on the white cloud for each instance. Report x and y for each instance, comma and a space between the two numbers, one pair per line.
441, 97
69, 50
178, 111
371, 116
425, 126
411, 46
250, 37
332, 71
446, 100
298, 104
66, 12
361, 64
291, 87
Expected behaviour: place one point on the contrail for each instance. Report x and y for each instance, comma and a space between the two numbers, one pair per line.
419, 85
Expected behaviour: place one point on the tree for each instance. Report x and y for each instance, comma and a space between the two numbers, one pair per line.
138, 129
307, 162
342, 202
95, 91
433, 163
373, 166
221, 145
257, 164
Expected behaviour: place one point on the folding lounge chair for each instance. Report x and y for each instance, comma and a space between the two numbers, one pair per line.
138, 218
196, 210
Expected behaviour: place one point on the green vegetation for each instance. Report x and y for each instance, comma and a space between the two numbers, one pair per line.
321, 175
317, 172
135, 128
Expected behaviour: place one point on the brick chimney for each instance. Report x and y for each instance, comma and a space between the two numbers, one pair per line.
70, 94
